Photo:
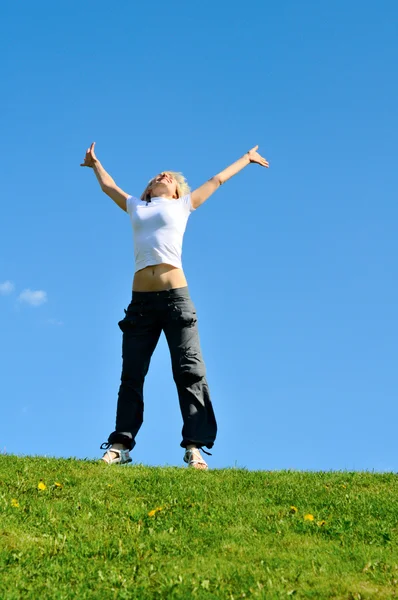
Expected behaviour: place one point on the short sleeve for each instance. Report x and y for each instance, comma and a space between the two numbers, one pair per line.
187, 202
131, 202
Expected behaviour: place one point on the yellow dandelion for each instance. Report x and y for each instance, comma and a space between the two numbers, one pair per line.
308, 517
321, 523
153, 512
15, 503
58, 485
41, 486
293, 509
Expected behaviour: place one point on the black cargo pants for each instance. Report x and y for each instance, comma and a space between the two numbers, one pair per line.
148, 314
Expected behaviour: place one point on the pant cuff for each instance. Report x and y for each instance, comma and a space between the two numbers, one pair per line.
119, 438
197, 443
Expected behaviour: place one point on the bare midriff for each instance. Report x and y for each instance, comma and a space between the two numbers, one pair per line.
156, 278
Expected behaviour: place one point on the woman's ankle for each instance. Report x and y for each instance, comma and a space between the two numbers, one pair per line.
117, 446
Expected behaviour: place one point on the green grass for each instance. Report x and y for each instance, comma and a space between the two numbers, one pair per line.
219, 534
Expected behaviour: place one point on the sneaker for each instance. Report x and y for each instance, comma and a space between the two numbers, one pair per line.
122, 457
195, 460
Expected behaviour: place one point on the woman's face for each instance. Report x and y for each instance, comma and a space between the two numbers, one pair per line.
164, 184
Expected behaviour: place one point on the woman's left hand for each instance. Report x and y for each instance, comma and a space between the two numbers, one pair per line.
255, 157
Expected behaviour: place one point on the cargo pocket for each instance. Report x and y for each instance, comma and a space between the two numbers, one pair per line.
191, 365
133, 314
184, 314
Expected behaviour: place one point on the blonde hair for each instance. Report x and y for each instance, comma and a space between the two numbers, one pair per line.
182, 185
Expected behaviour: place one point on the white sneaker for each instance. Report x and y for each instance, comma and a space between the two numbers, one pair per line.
195, 460
122, 457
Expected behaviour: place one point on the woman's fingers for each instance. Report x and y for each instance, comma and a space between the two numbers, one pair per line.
255, 157
90, 157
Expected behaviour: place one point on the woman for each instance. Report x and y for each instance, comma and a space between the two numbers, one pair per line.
161, 302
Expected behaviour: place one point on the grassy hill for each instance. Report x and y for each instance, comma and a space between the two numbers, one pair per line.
83, 529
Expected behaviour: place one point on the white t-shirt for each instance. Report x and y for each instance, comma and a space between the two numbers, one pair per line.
158, 228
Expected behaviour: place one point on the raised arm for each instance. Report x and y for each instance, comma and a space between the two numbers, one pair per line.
202, 193
104, 179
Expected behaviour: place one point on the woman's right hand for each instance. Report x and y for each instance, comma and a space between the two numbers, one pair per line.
90, 159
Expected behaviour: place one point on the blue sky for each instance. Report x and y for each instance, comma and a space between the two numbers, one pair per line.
293, 270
